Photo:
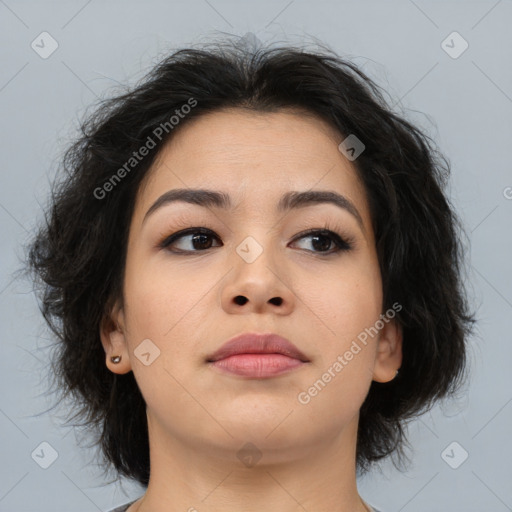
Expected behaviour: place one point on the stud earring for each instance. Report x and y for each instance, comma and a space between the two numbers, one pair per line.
115, 359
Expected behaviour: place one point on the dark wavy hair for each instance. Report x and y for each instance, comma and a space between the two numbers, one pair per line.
78, 254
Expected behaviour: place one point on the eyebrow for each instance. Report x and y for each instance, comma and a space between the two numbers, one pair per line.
221, 200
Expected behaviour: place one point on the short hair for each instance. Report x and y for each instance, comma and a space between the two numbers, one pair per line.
78, 254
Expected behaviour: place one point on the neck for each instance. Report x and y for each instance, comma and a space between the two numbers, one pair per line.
212, 478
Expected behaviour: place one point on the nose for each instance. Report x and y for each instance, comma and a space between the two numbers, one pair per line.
258, 286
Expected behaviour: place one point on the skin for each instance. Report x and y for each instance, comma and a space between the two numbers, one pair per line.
198, 417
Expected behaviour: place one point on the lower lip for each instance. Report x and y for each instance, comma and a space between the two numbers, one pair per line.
258, 365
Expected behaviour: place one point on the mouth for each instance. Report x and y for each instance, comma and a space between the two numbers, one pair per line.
257, 355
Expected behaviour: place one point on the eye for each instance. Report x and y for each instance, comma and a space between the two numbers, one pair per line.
199, 239
323, 239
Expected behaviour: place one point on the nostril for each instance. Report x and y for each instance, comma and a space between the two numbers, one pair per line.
277, 301
240, 300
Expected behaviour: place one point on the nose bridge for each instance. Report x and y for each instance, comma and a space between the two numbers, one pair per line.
255, 257
255, 233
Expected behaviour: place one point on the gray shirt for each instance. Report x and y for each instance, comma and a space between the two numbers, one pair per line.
122, 508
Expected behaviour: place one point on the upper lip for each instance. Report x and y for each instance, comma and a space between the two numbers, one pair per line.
257, 343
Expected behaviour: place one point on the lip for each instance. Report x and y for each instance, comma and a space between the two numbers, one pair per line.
257, 355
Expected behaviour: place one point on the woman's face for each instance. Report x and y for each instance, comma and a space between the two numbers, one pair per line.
180, 299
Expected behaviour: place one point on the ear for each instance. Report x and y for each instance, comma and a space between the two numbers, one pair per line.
112, 334
389, 352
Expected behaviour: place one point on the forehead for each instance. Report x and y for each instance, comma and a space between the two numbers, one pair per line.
254, 157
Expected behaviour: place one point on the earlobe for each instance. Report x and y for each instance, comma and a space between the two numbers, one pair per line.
112, 334
389, 352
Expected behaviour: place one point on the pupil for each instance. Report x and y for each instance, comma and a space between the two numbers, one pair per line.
200, 239
325, 246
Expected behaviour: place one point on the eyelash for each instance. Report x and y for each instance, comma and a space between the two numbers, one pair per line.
342, 243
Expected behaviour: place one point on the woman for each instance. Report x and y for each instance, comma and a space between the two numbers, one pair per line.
254, 276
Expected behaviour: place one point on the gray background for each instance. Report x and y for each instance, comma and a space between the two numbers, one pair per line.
465, 103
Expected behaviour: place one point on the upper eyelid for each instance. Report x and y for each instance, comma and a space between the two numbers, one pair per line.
184, 221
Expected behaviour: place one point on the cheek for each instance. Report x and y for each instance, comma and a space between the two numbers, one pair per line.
345, 305
345, 354
159, 297
173, 308
344, 300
